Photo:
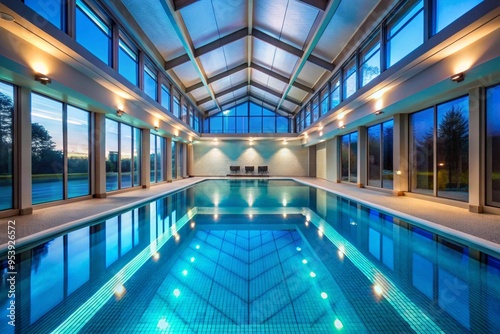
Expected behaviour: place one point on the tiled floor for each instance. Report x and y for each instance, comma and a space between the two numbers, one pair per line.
243, 281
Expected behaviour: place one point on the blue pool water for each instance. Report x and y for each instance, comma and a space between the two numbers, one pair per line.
252, 256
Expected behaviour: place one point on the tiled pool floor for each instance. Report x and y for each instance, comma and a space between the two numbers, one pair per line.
241, 281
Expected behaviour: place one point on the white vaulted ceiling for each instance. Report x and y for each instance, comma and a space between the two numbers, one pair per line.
254, 48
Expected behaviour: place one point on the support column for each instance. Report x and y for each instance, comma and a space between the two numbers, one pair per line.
178, 160
168, 155
190, 159
332, 160
99, 143
400, 155
24, 199
312, 161
362, 163
145, 158
476, 150
184, 160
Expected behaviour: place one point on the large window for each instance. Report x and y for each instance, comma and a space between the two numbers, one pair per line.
349, 157
315, 108
51, 11
165, 96
184, 111
6, 146
248, 117
493, 146
324, 101
177, 105
350, 82
447, 11
156, 149
439, 149
380, 155
370, 61
52, 124
47, 149
78, 152
128, 61
150, 82
422, 151
122, 156
405, 31
335, 92
93, 32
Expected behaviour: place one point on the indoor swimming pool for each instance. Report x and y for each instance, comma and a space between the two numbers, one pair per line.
252, 256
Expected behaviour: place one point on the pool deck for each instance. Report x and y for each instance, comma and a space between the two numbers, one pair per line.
54, 219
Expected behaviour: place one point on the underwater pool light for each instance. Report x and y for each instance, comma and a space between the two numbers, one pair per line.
312, 274
184, 272
324, 295
338, 324
298, 249
378, 289
197, 246
156, 256
177, 293
304, 261
119, 291
163, 324
192, 259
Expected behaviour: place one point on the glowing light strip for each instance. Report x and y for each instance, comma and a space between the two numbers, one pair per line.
77, 320
410, 312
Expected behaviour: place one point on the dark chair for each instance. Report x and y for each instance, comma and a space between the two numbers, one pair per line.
262, 170
234, 169
249, 169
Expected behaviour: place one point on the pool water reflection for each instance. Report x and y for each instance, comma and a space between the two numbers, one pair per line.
249, 256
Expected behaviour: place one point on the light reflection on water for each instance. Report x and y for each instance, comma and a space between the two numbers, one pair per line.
450, 289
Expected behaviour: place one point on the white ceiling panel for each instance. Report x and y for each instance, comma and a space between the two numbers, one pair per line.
239, 77
299, 20
271, 98
284, 62
276, 84
259, 77
221, 84
199, 18
226, 98
345, 22
297, 94
187, 74
213, 62
289, 105
310, 74
153, 20
207, 105
236, 53
239, 92
257, 92
199, 93
230, 15
263, 53
269, 16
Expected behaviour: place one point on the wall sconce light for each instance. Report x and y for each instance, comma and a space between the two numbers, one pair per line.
119, 112
285, 142
6, 17
458, 77
341, 125
42, 78
378, 112
157, 128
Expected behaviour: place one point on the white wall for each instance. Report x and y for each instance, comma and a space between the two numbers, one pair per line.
214, 158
